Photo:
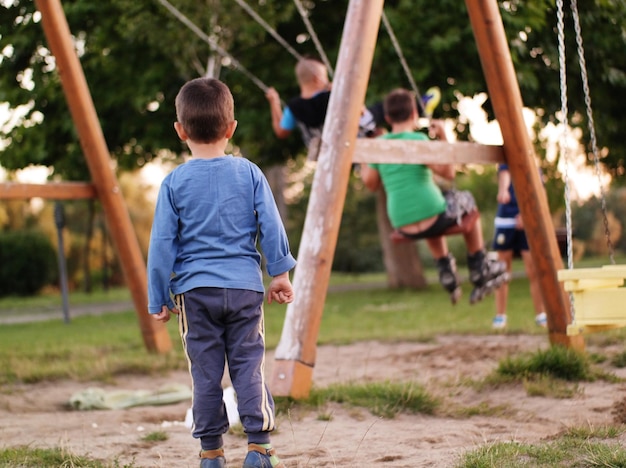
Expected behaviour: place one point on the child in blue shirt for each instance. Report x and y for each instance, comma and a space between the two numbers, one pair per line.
210, 213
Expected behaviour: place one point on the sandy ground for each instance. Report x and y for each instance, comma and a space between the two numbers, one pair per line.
38, 416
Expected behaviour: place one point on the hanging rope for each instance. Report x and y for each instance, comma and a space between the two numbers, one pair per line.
214, 45
405, 66
320, 50
269, 29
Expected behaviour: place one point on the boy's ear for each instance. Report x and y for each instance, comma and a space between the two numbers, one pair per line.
230, 131
180, 131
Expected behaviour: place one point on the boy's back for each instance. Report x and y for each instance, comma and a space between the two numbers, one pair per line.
212, 206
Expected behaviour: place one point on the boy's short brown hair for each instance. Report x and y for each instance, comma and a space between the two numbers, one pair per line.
399, 105
205, 107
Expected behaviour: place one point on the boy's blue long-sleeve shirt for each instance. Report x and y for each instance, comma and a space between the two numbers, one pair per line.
208, 217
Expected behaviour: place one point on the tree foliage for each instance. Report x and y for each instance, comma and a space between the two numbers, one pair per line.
136, 55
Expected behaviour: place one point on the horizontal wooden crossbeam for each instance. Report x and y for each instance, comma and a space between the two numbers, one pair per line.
53, 191
373, 150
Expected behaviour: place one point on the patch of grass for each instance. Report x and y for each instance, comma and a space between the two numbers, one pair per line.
554, 372
619, 360
557, 361
88, 348
26, 457
481, 409
156, 436
580, 447
547, 386
384, 399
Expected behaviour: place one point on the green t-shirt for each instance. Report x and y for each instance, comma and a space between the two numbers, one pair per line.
412, 194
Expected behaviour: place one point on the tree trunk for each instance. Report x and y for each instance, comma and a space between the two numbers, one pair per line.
402, 261
276, 178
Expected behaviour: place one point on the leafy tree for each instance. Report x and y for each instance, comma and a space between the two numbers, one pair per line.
136, 55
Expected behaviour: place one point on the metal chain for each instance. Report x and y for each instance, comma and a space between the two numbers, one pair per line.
591, 126
269, 29
405, 66
214, 45
563, 151
318, 45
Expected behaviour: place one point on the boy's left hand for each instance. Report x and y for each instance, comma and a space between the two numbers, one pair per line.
164, 315
280, 290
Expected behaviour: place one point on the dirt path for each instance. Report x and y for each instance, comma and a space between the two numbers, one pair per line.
333, 436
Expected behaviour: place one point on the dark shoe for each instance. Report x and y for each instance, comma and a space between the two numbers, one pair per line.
212, 458
448, 277
261, 457
486, 275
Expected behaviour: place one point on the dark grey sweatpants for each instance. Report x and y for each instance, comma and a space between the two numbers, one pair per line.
216, 325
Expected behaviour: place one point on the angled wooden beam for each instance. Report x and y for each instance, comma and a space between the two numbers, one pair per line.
50, 191
56, 29
506, 98
295, 354
370, 150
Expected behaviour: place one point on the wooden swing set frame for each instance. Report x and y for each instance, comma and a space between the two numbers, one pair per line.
339, 149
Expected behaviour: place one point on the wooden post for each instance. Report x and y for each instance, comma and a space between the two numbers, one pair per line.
519, 153
295, 354
155, 334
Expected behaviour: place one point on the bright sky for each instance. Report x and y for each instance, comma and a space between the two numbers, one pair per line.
583, 179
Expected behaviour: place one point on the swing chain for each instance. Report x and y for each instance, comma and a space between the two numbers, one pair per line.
564, 153
318, 45
405, 66
591, 126
563, 146
269, 29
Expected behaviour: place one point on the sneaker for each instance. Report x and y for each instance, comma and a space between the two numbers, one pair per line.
541, 320
483, 268
499, 322
262, 456
448, 276
212, 458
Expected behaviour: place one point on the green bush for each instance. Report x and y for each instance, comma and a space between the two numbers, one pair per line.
27, 263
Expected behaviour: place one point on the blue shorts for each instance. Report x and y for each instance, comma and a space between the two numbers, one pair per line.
510, 239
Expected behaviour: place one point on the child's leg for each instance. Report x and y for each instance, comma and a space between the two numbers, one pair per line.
245, 352
474, 238
201, 332
438, 246
502, 293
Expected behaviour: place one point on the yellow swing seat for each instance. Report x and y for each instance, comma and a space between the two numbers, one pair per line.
599, 298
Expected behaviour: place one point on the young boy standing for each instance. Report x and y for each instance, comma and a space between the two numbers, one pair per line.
210, 212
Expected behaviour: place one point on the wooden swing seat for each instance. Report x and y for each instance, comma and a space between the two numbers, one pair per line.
467, 222
599, 298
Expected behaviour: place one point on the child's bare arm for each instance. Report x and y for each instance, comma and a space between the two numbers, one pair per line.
504, 181
280, 289
277, 113
370, 177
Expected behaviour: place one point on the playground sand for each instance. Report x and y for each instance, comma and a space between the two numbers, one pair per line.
336, 435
